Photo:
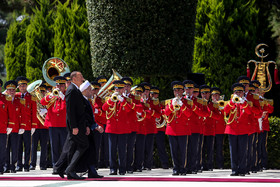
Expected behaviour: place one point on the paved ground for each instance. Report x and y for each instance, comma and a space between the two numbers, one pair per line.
268, 174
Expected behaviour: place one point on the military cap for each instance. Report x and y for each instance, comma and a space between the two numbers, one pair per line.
216, 90
1, 83
196, 88
42, 87
251, 87
140, 88
256, 83
188, 83
204, 88
237, 87
127, 80
95, 85
154, 89
60, 80
101, 79
46, 84
67, 76
177, 85
22, 80
146, 85
118, 84
243, 79
11, 84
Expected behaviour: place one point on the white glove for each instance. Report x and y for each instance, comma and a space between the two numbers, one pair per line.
21, 131
51, 95
174, 101
32, 131
61, 95
180, 103
242, 100
95, 111
120, 98
9, 130
43, 111
260, 120
139, 113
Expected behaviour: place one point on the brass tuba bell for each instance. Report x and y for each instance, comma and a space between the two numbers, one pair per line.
54, 67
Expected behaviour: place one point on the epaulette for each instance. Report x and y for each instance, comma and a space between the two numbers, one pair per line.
215, 105
205, 102
167, 102
147, 105
256, 97
270, 101
103, 100
155, 102
22, 101
262, 103
33, 98
137, 97
190, 102
129, 100
199, 100
8, 98
250, 103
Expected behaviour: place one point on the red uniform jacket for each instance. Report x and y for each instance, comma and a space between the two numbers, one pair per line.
28, 117
200, 112
211, 120
116, 114
135, 107
177, 120
162, 106
265, 124
220, 124
100, 117
256, 113
238, 122
3, 114
56, 116
152, 114
14, 113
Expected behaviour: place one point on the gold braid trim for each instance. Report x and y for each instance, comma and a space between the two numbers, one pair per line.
184, 108
167, 118
133, 106
170, 108
211, 114
235, 114
153, 113
245, 106
229, 104
195, 107
109, 115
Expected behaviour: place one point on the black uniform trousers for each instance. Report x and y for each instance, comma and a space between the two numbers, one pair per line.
178, 148
193, 152
254, 158
97, 141
104, 150
3, 141
161, 148
24, 139
149, 148
131, 138
139, 152
251, 138
57, 139
41, 135
263, 150
13, 147
219, 150
117, 144
208, 152
238, 153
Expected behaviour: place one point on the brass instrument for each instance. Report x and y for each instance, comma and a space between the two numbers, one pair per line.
236, 99
177, 106
115, 97
55, 92
106, 91
221, 103
34, 90
54, 67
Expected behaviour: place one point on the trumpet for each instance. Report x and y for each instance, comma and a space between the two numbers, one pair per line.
177, 106
221, 103
55, 92
115, 96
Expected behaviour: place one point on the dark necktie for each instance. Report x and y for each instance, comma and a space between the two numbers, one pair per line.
22, 95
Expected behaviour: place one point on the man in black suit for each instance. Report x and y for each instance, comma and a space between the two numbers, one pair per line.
76, 124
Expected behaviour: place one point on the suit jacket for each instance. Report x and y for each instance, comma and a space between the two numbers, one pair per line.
76, 116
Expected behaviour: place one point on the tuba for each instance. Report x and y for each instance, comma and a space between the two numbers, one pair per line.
54, 67
34, 90
105, 91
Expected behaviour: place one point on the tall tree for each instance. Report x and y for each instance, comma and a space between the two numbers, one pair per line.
71, 39
225, 41
142, 38
15, 48
39, 38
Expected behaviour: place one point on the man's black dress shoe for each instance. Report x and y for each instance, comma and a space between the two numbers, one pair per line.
73, 175
32, 168
61, 174
13, 171
175, 173
130, 172
234, 174
241, 174
122, 173
26, 169
43, 168
95, 176
138, 170
18, 169
113, 173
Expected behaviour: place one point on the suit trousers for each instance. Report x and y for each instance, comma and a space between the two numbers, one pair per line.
131, 138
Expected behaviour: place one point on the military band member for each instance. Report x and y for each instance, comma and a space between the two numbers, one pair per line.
209, 127
267, 108
28, 123
56, 118
99, 116
153, 111
238, 111
68, 80
14, 119
104, 149
219, 127
116, 109
3, 128
160, 136
177, 112
41, 134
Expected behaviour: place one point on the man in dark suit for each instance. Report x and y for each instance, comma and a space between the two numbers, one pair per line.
76, 124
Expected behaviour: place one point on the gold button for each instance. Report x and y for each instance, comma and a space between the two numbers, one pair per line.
57, 114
